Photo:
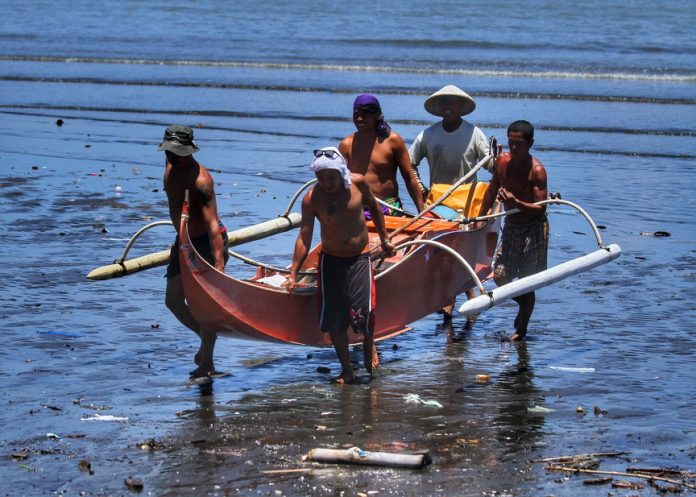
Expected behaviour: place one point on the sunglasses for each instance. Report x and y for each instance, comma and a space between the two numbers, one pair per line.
366, 110
331, 154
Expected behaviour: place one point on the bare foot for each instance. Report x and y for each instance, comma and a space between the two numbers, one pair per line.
200, 372
518, 336
469, 324
447, 312
371, 358
343, 379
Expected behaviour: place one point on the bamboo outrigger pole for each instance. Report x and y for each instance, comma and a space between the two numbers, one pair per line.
124, 267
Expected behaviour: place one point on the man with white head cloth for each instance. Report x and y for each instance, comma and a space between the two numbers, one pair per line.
346, 282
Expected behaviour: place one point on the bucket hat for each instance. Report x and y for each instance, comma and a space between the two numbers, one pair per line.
433, 103
179, 140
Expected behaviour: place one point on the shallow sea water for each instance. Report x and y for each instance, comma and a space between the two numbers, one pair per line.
615, 129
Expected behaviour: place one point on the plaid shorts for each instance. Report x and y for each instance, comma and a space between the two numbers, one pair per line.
523, 249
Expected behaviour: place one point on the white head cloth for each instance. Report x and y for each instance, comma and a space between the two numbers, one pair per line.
337, 162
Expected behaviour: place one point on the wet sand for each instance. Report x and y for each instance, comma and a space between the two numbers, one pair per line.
619, 338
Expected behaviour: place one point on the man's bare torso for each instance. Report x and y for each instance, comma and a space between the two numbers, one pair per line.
340, 214
176, 181
519, 178
374, 158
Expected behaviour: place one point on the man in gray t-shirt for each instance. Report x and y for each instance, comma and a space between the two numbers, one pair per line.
452, 146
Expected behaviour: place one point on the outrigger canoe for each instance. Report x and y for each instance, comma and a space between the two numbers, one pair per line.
435, 261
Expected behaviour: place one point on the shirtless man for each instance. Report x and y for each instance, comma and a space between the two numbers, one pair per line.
346, 282
208, 234
377, 153
519, 180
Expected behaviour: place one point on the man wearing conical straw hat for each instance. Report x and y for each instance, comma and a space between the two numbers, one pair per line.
452, 146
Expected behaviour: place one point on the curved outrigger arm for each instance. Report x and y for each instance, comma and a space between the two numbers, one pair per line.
545, 202
297, 195
450, 251
544, 278
137, 234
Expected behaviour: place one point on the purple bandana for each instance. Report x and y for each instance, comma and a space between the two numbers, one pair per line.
366, 99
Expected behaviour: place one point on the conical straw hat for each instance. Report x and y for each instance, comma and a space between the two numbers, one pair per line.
432, 103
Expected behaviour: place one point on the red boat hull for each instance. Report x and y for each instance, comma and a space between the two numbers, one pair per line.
413, 285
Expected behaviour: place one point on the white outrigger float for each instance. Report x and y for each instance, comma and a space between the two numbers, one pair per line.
521, 286
602, 255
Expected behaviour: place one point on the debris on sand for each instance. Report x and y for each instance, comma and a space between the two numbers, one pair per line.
598, 411
85, 466
151, 444
629, 485
675, 484
19, 455
99, 417
133, 483
355, 455
414, 398
540, 409
598, 481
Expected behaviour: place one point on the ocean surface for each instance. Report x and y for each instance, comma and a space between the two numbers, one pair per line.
92, 372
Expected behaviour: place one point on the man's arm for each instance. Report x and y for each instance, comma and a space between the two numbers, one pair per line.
370, 203
403, 162
416, 153
345, 146
490, 195
206, 193
483, 149
304, 240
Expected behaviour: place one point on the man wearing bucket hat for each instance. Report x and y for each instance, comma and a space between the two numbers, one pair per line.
452, 146
346, 282
182, 172
377, 152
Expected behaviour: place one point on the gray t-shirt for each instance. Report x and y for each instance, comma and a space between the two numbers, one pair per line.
450, 155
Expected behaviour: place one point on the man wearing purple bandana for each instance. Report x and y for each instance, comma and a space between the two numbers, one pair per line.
377, 152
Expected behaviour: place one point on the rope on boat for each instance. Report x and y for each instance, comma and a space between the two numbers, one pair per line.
544, 202
137, 234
